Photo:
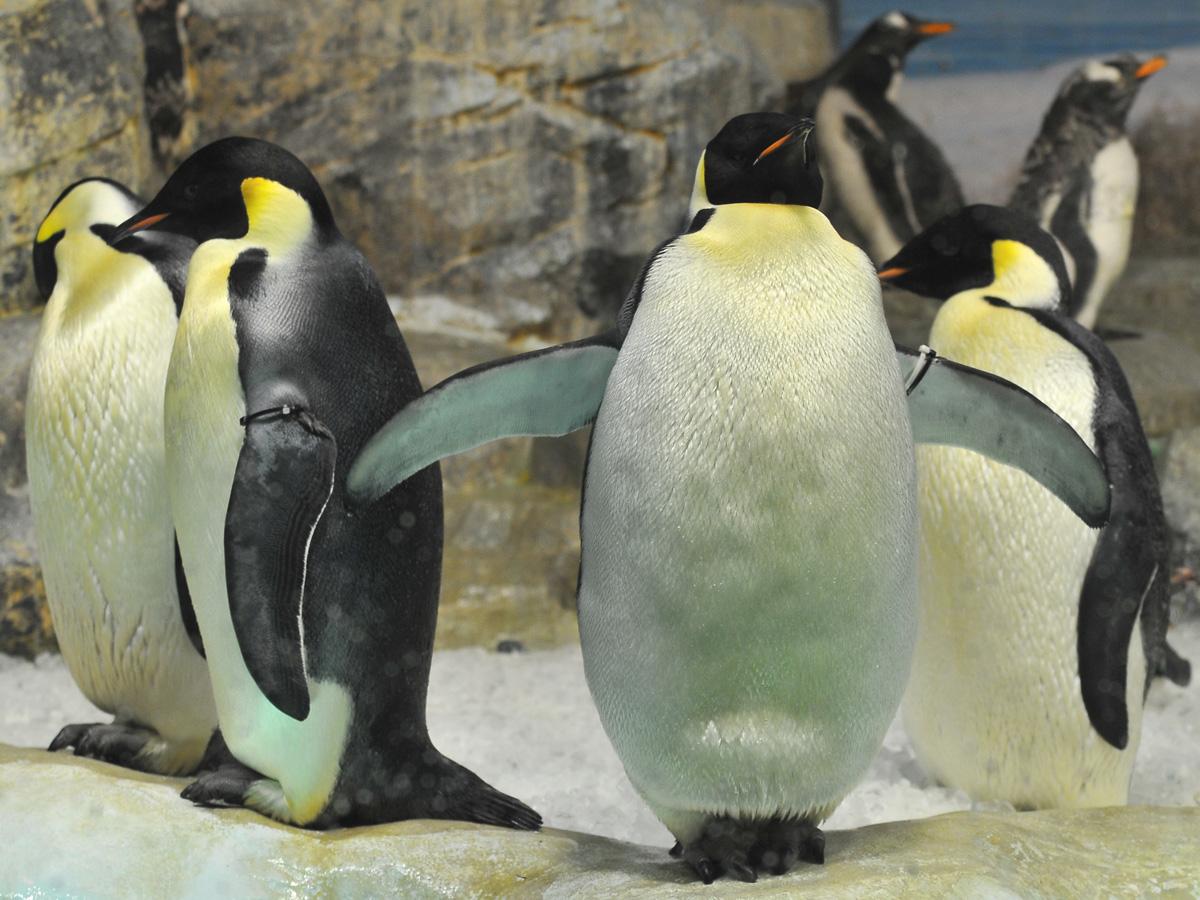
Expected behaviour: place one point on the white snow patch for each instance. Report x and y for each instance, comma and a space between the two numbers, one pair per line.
526, 724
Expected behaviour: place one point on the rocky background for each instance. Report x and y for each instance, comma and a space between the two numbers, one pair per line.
518, 156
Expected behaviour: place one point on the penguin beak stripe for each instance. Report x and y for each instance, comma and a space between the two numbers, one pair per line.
1150, 66
775, 146
894, 272
929, 29
144, 223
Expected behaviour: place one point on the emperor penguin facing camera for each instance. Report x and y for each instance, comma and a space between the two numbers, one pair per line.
747, 591
1039, 635
97, 482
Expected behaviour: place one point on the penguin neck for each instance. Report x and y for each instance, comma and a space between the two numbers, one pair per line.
91, 277
280, 220
1021, 278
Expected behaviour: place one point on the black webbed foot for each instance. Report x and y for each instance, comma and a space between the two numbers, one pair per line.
723, 848
226, 785
784, 842
115, 743
742, 849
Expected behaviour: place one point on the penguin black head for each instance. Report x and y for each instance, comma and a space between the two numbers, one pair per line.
95, 204
983, 247
206, 197
1102, 91
759, 158
878, 54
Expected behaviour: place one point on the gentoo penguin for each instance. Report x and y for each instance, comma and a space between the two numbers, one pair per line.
1080, 177
747, 587
888, 179
1038, 634
97, 482
318, 624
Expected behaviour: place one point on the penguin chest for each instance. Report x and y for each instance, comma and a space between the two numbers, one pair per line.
746, 594
995, 679
1109, 218
204, 402
98, 484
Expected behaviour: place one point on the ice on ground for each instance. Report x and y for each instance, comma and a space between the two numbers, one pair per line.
525, 723
984, 122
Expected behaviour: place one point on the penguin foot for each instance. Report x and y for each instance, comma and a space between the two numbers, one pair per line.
122, 745
742, 849
783, 842
723, 848
226, 785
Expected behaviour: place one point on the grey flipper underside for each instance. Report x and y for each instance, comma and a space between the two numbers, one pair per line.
959, 406
283, 481
547, 393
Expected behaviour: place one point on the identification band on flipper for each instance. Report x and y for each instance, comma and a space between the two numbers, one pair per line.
286, 410
925, 357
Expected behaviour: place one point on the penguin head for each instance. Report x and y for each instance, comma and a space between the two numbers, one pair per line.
759, 158
219, 189
988, 247
92, 204
878, 54
1103, 90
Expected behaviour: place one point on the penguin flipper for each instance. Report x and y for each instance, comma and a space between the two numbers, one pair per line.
283, 481
547, 393
964, 407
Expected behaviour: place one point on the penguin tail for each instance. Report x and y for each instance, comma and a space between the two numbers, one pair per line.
465, 796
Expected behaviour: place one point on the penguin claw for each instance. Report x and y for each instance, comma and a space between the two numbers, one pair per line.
70, 735
676, 851
706, 869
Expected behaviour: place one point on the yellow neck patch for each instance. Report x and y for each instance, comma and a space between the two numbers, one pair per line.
280, 219
1022, 277
699, 190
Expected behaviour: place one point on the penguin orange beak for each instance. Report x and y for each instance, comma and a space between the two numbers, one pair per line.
140, 225
893, 272
929, 29
800, 130
1150, 66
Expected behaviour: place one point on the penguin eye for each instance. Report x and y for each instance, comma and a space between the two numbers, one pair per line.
191, 191
945, 244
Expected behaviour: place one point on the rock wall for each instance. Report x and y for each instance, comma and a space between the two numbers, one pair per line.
522, 154
519, 156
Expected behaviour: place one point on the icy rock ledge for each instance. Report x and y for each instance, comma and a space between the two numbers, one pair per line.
77, 827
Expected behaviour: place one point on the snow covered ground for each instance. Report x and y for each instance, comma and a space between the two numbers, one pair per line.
525, 722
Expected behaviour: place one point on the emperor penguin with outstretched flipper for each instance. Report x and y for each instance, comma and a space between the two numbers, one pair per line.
318, 623
747, 589
1080, 176
887, 177
97, 482
1039, 635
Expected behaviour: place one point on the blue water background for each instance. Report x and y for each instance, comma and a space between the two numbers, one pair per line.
1029, 34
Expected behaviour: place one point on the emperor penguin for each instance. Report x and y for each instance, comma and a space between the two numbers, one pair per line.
747, 588
888, 179
97, 482
1080, 176
1038, 634
318, 624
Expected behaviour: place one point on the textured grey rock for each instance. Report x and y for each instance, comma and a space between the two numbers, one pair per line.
70, 105
523, 156
75, 826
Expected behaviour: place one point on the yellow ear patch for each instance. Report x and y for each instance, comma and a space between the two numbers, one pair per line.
279, 218
1022, 276
52, 224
